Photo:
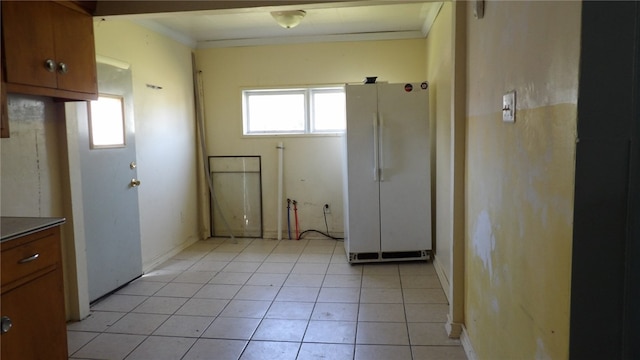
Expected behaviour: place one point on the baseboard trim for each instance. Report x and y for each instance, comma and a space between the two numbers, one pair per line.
454, 329
467, 345
444, 281
162, 258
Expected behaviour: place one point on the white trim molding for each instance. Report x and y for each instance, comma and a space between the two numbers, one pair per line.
151, 265
467, 345
163, 30
454, 329
430, 19
389, 35
444, 281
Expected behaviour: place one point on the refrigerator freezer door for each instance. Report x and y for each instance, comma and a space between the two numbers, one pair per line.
362, 187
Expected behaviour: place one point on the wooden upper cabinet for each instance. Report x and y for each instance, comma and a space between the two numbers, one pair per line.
49, 49
27, 32
75, 49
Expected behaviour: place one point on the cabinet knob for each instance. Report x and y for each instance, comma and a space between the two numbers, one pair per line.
134, 182
50, 65
62, 68
5, 324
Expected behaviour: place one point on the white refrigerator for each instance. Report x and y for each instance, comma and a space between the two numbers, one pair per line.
387, 192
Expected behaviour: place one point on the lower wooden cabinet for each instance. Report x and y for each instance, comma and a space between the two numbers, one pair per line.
32, 298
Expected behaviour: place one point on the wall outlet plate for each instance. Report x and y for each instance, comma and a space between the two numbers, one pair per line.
327, 209
509, 107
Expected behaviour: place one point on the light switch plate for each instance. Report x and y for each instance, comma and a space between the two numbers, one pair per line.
478, 9
509, 106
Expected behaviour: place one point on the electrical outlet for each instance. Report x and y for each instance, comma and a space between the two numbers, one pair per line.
327, 209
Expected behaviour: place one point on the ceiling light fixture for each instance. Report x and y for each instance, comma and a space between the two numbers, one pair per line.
288, 19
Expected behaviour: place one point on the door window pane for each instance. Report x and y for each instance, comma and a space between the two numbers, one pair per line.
106, 122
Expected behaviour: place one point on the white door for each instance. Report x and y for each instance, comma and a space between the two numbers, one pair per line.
363, 187
405, 215
110, 192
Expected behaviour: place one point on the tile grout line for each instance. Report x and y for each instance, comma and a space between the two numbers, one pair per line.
270, 305
355, 338
260, 322
177, 309
246, 285
169, 315
406, 318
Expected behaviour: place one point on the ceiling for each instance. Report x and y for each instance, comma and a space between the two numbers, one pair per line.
343, 21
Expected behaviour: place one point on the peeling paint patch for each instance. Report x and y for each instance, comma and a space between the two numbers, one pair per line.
540, 352
495, 306
484, 240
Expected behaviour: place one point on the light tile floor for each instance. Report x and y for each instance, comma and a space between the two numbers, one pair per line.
269, 299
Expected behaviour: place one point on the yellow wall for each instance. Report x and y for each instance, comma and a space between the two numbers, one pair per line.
165, 133
313, 166
520, 178
439, 73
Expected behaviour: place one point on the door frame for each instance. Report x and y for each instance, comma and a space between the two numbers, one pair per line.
631, 310
455, 286
76, 268
76, 272
606, 246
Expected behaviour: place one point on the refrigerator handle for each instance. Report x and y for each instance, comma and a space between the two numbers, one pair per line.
381, 148
375, 146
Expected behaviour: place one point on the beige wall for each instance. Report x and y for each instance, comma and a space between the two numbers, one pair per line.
520, 178
30, 178
165, 134
312, 165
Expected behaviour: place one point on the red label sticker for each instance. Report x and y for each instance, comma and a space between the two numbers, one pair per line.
408, 87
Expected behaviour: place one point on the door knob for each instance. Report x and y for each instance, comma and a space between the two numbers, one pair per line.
134, 182
5, 324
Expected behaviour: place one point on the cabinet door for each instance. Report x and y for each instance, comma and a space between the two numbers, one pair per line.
36, 310
28, 42
73, 38
38, 38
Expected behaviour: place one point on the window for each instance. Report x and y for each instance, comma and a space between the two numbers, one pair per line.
106, 122
318, 110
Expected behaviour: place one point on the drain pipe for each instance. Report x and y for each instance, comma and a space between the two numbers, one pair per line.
280, 148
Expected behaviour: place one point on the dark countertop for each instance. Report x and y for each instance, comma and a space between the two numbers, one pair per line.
14, 227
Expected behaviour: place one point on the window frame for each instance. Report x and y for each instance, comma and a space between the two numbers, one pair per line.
308, 121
